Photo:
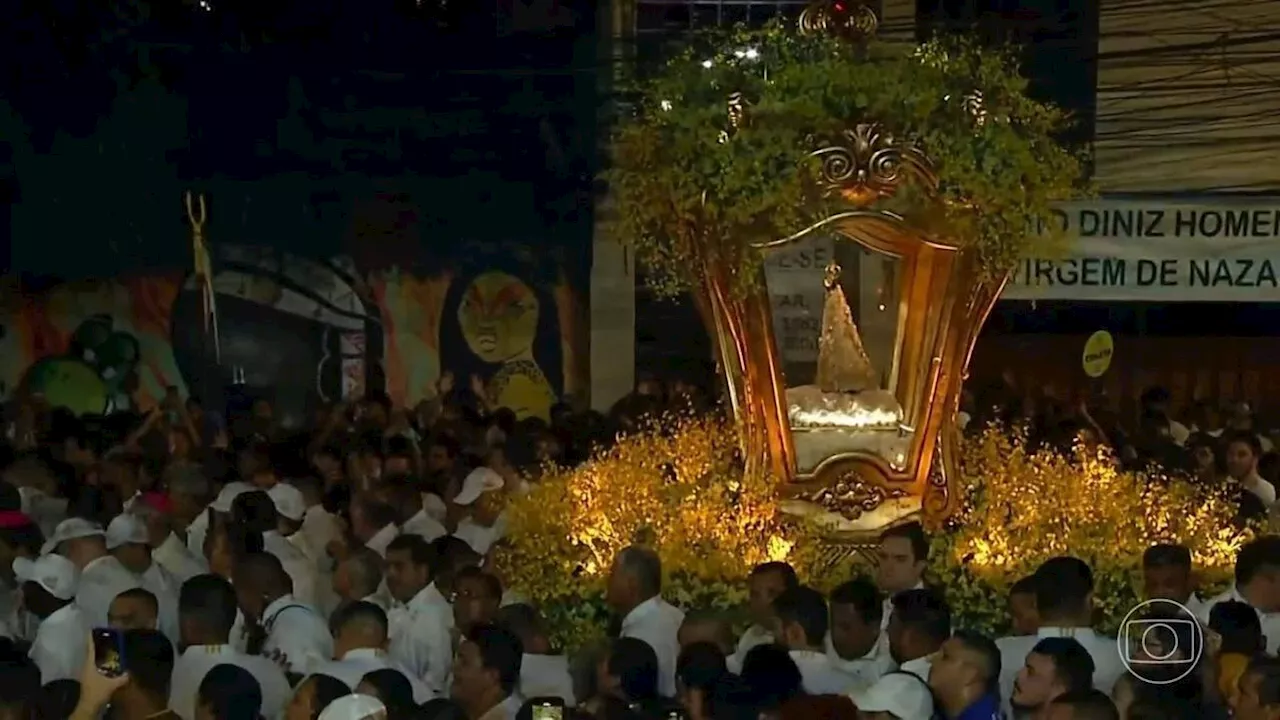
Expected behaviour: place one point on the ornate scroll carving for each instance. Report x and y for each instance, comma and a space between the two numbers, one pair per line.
937, 494
867, 164
851, 496
848, 19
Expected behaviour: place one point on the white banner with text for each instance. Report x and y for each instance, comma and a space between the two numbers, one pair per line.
1159, 251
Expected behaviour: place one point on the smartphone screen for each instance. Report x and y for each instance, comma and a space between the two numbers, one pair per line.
548, 709
108, 651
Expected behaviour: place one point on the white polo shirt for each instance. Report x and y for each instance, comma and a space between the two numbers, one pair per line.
818, 675
296, 632
300, 568
353, 666
173, 555
381, 539
421, 636
869, 668
1107, 664
161, 583
425, 526
196, 662
100, 582
657, 623
59, 648
546, 676
1270, 621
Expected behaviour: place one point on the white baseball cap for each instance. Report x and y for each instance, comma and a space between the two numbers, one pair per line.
477, 483
54, 573
355, 707
902, 694
126, 529
228, 495
71, 529
288, 501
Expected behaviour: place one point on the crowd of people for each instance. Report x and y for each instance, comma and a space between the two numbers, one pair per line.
190, 565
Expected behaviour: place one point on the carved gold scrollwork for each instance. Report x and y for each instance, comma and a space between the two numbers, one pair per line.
937, 496
868, 164
850, 496
849, 19
833, 554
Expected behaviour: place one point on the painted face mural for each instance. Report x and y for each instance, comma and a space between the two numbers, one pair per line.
499, 317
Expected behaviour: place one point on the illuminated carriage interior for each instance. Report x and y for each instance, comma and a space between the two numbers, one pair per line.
835, 308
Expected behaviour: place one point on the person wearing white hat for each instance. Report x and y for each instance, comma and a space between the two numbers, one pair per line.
482, 525
127, 540
102, 577
895, 696
48, 591
221, 504
291, 507
355, 707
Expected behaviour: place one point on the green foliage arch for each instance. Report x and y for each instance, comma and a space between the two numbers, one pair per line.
689, 194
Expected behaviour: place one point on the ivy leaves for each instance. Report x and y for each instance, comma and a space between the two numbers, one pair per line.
692, 189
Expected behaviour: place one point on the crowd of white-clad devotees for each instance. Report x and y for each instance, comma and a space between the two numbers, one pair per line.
360, 587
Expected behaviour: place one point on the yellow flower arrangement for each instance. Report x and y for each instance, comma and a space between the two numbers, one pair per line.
677, 487
1025, 505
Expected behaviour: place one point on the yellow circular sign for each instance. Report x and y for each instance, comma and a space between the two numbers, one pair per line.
1098, 350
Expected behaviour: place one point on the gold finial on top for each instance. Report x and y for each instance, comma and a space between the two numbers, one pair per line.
848, 19
832, 276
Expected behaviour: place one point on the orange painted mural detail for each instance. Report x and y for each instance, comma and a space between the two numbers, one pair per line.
303, 332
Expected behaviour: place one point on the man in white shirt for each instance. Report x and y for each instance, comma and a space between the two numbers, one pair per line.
802, 623
1055, 666
206, 613
902, 558
48, 589
1257, 585
634, 591
294, 632
1167, 575
479, 498
135, 609
1064, 598
360, 633
127, 540
543, 672
856, 645
422, 623
318, 525
102, 577
373, 523
1243, 449
170, 520
920, 622
417, 521
487, 672
221, 505
359, 579
766, 582
291, 506
256, 510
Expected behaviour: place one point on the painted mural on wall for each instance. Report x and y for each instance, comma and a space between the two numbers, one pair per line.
299, 332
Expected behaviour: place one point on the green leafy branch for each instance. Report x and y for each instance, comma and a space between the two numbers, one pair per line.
691, 190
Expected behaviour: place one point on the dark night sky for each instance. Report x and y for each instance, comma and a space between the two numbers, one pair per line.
287, 113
